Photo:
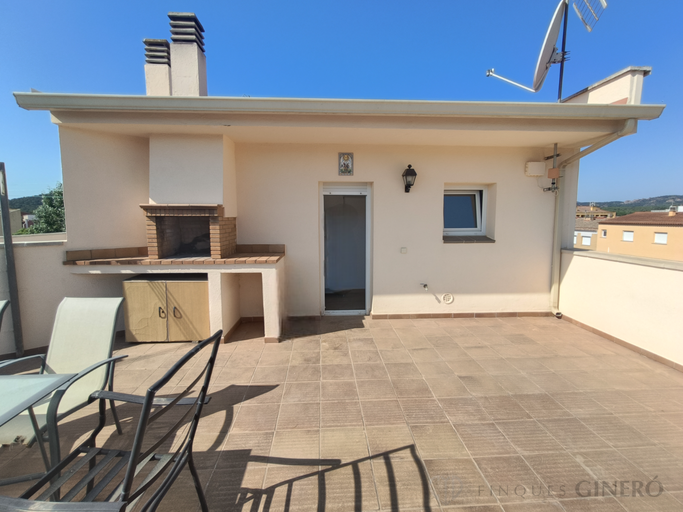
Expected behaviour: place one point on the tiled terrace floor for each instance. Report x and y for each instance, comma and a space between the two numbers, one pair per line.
481, 415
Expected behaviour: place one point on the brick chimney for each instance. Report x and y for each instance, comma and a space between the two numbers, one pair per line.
157, 67
188, 62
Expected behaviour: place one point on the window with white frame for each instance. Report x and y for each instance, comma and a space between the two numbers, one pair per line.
585, 240
603, 234
574, 239
627, 236
661, 238
464, 212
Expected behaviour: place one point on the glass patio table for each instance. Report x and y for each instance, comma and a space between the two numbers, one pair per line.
22, 392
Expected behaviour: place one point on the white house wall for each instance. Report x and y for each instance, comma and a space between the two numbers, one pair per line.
278, 187
186, 169
105, 178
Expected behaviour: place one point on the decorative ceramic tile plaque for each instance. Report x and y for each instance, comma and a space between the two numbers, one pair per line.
345, 164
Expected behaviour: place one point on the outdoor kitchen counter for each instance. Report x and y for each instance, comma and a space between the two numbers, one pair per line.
236, 259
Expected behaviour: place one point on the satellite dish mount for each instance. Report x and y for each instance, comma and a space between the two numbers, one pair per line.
589, 12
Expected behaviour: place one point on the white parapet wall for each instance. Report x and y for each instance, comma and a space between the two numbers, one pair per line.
636, 300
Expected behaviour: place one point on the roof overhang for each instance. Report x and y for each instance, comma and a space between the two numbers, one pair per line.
284, 120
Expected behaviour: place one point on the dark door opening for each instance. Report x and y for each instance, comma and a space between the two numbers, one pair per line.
345, 252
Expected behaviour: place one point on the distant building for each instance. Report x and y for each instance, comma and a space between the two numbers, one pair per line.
593, 212
645, 234
585, 234
27, 220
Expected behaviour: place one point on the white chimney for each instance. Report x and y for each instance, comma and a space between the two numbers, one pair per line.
188, 62
157, 67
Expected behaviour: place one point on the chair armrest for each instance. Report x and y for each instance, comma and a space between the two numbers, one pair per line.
5, 364
59, 393
139, 399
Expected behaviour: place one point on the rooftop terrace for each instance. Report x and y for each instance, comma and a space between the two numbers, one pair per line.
483, 415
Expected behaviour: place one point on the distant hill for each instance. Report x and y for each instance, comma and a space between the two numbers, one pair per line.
26, 204
637, 205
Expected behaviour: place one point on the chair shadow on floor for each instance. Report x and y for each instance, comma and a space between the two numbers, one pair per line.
320, 477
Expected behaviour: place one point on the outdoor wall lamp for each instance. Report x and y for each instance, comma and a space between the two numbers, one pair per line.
409, 176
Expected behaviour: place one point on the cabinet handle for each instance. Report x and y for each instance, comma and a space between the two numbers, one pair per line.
162, 313
179, 315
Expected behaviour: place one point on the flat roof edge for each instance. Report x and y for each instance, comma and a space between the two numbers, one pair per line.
181, 104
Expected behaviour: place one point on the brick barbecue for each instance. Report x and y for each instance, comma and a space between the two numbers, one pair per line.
189, 230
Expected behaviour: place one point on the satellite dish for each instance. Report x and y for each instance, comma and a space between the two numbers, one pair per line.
549, 54
589, 12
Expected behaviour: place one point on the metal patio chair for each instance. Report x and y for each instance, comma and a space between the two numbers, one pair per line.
81, 343
120, 479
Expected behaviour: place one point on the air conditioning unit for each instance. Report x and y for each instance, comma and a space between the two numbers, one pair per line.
535, 169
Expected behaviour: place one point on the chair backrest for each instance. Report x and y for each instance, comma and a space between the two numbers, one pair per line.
168, 421
83, 334
3, 307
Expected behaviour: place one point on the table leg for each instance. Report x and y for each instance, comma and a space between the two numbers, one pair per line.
39, 438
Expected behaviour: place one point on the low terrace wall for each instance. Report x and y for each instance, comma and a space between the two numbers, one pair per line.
634, 300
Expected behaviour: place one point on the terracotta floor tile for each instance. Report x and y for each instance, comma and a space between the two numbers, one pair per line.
382, 412
616, 432
560, 472
336, 372
573, 435
541, 405
550, 382
268, 374
411, 388
482, 385
258, 393
340, 414
517, 384
527, 365
447, 387
610, 466
511, 479
403, 371
388, 344
422, 410
424, 355
301, 392
334, 357
402, 485
534, 506
296, 444
375, 389
438, 441
346, 444
274, 359
528, 436
339, 390
465, 367
350, 488
503, 408
657, 462
304, 372
299, 416
362, 343
464, 410
395, 356
305, 357
306, 344
579, 403
390, 437
242, 448
256, 417
370, 371
365, 356
458, 482
484, 439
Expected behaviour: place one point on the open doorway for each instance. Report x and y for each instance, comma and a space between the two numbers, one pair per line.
345, 231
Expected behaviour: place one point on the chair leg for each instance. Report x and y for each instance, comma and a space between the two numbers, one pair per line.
116, 417
197, 483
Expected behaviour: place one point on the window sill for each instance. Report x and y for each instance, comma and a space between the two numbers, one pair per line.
468, 240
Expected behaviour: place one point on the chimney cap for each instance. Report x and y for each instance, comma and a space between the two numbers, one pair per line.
156, 42
185, 16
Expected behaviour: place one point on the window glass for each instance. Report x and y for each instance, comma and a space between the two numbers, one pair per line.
460, 211
574, 239
661, 238
604, 233
627, 236
585, 240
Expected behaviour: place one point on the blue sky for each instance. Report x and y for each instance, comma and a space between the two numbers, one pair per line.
430, 50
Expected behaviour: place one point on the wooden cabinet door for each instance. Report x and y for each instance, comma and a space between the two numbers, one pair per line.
188, 310
145, 310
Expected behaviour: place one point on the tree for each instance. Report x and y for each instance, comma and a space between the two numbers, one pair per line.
50, 215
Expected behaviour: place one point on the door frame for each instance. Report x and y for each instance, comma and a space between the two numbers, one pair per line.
347, 189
